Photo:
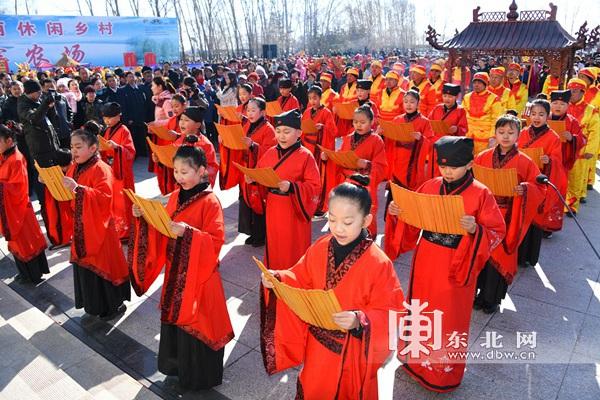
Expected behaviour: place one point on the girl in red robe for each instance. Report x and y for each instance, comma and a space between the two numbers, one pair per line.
290, 207
287, 100
195, 325
336, 364
325, 136
244, 94
120, 157
370, 150
260, 136
453, 115
445, 268
540, 135
518, 212
575, 140
18, 224
100, 271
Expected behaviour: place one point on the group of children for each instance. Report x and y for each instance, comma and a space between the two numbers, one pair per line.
453, 273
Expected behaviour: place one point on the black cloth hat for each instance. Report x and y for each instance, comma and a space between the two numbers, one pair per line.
292, 118
111, 110
194, 113
562, 95
451, 89
146, 68
285, 83
31, 86
454, 151
364, 84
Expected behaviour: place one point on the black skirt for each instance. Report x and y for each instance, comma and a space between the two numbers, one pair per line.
197, 366
96, 295
529, 250
33, 269
250, 223
492, 286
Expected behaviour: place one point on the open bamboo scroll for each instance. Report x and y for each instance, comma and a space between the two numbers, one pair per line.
501, 181
53, 179
154, 213
535, 153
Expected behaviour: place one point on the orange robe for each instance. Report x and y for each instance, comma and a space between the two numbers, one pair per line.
391, 103
121, 159
289, 103
18, 224
518, 211
192, 293
427, 94
289, 215
164, 175
444, 274
377, 86
365, 282
328, 98
326, 138
570, 149
455, 116
347, 95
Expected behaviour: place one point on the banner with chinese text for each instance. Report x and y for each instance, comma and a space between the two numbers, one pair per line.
41, 41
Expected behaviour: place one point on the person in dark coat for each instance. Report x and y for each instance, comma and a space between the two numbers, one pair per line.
132, 100
88, 109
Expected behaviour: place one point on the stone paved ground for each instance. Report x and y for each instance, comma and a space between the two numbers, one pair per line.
51, 350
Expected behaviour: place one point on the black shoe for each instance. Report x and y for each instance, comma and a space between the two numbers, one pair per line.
583, 200
249, 240
547, 235
590, 187
21, 279
571, 214
258, 243
120, 310
525, 265
490, 309
477, 304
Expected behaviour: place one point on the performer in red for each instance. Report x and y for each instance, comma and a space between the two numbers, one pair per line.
100, 271
367, 288
445, 267
575, 140
363, 95
18, 224
325, 136
287, 100
453, 115
539, 135
370, 150
120, 157
195, 325
260, 136
518, 211
290, 207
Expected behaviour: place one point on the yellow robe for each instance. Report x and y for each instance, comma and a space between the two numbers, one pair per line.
503, 93
482, 111
519, 97
550, 85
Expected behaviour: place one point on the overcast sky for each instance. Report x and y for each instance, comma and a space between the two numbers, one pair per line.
444, 15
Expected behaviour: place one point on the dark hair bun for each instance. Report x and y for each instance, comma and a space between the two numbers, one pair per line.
191, 139
92, 127
360, 180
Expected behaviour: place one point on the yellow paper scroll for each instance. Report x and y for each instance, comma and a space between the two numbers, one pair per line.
155, 213
232, 136
164, 153
313, 306
161, 131
560, 127
53, 179
264, 176
273, 108
230, 113
501, 181
103, 144
308, 126
345, 159
440, 127
398, 131
535, 153
345, 110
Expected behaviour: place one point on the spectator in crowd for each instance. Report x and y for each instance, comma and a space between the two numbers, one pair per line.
88, 109
228, 95
162, 92
132, 100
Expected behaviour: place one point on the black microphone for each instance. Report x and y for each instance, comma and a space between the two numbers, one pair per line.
543, 180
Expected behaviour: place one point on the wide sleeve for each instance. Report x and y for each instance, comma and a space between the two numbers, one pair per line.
462, 124
123, 154
593, 134
146, 255
211, 160
13, 200
400, 237
305, 192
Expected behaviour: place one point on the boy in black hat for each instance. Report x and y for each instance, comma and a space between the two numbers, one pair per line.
559, 105
445, 266
291, 206
287, 100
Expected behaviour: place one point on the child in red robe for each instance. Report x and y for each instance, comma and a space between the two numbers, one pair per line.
445, 267
370, 150
337, 364
260, 136
540, 135
287, 100
290, 207
325, 136
363, 95
100, 271
120, 157
18, 224
518, 211
195, 325
575, 140
453, 115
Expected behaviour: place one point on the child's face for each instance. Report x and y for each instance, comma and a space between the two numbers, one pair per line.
361, 123
451, 174
314, 100
538, 116
449, 100
81, 151
507, 136
112, 121
362, 94
285, 92
189, 126
244, 96
411, 104
346, 220
186, 175
558, 108
178, 108
5, 144
254, 112
286, 136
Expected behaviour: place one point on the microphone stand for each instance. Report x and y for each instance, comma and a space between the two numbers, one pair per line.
546, 181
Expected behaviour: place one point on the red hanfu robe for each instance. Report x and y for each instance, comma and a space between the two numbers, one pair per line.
326, 138
96, 245
444, 274
192, 292
347, 95
570, 149
289, 215
456, 116
552, 218
408, 160
337, 365
288, 103
121, 159
18, 224
163, 173
58, 219
172, 124
518, 211
369, 147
